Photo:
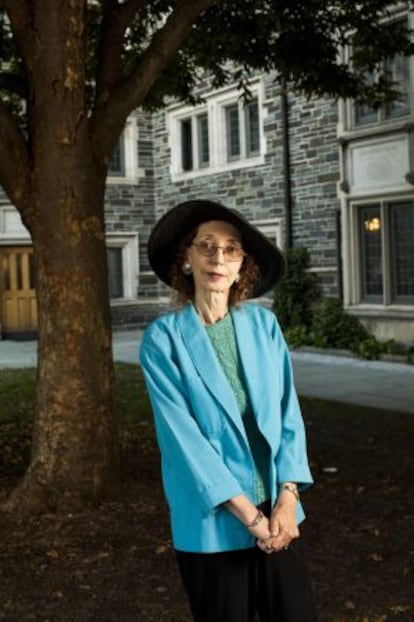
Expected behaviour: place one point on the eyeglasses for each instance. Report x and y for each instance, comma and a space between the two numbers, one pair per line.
231, 252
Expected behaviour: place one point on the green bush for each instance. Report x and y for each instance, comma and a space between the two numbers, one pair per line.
308, 319
371, 348
332, 327
294, 297
297, 336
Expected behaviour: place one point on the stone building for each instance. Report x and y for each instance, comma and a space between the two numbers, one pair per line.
335, 178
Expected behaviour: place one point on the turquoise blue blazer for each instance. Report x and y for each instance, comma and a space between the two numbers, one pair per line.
205, 455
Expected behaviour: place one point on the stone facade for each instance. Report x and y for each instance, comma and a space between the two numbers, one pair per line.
259, 191
319, 205
149, 187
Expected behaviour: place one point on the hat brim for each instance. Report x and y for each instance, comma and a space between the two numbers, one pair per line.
168, 232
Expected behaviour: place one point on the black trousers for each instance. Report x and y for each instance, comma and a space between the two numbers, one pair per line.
233, 586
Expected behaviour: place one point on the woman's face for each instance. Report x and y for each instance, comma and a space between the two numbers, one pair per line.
215, 273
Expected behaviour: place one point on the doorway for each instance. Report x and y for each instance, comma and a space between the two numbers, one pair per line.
18, 307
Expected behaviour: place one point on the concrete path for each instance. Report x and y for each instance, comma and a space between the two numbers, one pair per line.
380, 384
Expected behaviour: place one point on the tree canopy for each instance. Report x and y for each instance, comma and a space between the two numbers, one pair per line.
181, 41
140, 53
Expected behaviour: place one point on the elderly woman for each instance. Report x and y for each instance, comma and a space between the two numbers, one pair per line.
227, 419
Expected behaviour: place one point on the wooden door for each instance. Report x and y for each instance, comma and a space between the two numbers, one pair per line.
18, 308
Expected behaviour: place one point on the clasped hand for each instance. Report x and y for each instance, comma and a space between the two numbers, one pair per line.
277, 532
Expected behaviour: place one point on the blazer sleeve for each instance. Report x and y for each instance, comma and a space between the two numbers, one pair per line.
184, 449
292, 460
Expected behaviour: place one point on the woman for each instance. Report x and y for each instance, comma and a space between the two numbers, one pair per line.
227, 419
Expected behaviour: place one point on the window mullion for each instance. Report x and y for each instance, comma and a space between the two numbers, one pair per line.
386, 254
243, 129
195, 143
355, 257
215, 131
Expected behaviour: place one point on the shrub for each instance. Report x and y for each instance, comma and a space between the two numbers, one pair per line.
308, 319
372, 349
294, 297
297, 336
332, 327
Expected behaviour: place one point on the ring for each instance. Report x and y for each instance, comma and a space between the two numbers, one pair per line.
285, 548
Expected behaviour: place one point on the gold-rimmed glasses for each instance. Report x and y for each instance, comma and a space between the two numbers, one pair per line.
231, 252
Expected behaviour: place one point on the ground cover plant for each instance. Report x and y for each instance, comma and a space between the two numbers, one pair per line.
115, 563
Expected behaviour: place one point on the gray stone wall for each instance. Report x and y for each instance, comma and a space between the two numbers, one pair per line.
259, 191
130, 207
315, 173
256, 191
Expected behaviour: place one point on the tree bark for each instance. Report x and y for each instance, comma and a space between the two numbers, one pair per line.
74, 461
74, 452
74, 446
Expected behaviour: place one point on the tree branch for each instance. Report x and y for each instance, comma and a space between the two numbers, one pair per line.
14, 160
130, 93
162, 48
116, 19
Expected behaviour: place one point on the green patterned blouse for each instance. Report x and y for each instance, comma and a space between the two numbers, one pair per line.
223, 339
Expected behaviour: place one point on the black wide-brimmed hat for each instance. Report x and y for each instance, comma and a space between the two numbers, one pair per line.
169, 231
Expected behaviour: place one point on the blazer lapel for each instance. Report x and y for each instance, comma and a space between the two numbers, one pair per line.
201, 351
255, 364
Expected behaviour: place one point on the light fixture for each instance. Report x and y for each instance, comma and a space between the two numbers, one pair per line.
373, 224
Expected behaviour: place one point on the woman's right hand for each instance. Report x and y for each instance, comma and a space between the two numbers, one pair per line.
261, 531
247, 513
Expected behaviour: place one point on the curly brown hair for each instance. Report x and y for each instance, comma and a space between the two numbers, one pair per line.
183, 285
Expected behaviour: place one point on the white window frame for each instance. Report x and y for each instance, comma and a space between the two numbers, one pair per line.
272, 229
215, 106
196, 159
129, 140
121, 146
129, 243
353, 274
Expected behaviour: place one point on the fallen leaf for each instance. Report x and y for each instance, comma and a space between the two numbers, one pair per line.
400, 608
160, 549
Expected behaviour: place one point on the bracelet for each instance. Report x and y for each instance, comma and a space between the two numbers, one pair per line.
256, 520
291, 488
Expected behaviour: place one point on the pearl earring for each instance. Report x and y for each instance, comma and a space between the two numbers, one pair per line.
237, 279
186, 269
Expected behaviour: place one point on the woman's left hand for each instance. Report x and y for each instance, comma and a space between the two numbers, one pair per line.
282, 525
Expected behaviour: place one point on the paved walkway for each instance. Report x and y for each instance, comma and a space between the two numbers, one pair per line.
380, 384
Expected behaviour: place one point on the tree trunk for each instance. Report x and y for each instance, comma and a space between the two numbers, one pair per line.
73, 455
74, 450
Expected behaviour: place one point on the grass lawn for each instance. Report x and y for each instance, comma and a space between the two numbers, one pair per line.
116, 562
